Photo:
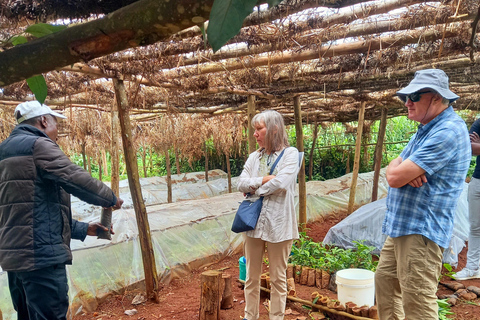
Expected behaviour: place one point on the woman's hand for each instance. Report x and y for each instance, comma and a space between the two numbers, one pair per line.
267, 178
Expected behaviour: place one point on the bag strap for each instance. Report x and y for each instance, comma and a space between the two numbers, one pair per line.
276, 161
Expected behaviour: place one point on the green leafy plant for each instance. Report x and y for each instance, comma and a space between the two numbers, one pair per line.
449, 272
443, 309
309, 253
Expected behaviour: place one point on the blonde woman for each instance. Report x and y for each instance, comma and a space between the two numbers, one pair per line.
277, 225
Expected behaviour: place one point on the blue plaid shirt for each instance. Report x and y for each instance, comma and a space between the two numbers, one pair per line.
442, 149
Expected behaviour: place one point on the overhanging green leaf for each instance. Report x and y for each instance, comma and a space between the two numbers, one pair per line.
39, 87
42, 29
273, 3
226, 19
16, 40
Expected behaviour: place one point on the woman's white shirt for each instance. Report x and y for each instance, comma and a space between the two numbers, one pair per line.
278, 219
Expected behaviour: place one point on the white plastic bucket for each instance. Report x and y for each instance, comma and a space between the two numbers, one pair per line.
357, 286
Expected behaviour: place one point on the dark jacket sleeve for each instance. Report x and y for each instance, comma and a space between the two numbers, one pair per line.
72, 178
79, 230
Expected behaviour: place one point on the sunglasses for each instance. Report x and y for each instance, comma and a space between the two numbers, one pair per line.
414, 97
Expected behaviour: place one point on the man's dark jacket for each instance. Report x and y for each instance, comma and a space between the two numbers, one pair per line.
36, 222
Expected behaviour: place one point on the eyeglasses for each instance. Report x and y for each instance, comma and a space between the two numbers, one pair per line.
414, 97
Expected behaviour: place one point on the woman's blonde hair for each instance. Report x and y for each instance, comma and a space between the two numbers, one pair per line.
276, 135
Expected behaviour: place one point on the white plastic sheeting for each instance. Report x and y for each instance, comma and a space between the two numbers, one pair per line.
185, 235
366, 224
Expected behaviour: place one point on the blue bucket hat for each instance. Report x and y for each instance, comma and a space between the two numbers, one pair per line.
435, 79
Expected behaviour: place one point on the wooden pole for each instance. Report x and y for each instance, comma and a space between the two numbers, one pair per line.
206, 161
210, 295
252, 142
229, 173
310, 158
177, 160
356, 163
169, 177
302, 188
115, 156
149, 267
378, 153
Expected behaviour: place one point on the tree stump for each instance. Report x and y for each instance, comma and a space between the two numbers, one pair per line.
227, 296
210, 295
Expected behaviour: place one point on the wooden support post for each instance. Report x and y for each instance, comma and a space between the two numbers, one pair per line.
229, 173
356, 163
302, 187
206, 161
169, 177
115, 180
227, 295
148, 258
252, 142
210, 295
312, 150
378, 153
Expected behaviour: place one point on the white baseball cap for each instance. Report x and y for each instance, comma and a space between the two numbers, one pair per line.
32, 109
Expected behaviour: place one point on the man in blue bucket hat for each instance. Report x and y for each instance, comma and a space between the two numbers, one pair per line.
425, 183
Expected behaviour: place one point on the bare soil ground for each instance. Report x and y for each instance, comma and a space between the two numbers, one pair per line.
180, 300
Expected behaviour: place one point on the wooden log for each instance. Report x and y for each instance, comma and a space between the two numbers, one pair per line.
356, 163
304, 275
106, 221
298, 271
148, 257
210, 295
311, 277
227, 296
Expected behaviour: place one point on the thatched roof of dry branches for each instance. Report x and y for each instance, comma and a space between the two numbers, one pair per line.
332, 58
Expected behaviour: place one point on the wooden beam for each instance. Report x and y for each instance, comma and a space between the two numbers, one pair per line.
148, 257
302, 187
356, 163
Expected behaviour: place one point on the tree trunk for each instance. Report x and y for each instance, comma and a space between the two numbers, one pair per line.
89, 161
210, 295
302, 187
356, 163
149, 267
227, 296
312, 150
378, 153
169, 177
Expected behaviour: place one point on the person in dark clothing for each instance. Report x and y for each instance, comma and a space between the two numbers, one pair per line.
36, 225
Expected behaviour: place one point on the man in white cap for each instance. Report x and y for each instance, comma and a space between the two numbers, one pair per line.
36, 222
425, 183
